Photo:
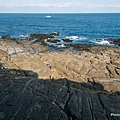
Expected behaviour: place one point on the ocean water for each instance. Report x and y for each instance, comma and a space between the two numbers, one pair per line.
88, 26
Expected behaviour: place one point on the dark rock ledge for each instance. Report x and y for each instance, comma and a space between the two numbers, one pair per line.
25, 97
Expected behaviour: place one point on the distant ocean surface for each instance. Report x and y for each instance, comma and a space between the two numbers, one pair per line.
88, 26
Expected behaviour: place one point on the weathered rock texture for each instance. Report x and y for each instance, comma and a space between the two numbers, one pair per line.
97, 64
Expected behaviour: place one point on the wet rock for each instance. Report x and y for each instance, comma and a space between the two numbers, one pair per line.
114, 41
53, 41
117, 42
85, 48
67, 40
41, 36
5, 37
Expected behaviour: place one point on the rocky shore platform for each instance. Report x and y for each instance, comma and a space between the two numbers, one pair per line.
75, 83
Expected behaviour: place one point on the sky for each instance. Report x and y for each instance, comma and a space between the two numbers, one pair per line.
61, 6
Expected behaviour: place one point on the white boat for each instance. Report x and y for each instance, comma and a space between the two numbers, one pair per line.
48, 16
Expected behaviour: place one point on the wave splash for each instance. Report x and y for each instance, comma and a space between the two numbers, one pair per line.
75, 37
102, 41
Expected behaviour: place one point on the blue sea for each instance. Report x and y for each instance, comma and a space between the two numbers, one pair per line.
89, 26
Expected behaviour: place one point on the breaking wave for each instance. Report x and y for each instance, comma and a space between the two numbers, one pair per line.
76, 37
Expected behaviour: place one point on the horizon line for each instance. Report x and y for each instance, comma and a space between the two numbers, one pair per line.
58, 12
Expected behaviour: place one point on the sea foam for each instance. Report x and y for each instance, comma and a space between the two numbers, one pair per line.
75, 37
101, 41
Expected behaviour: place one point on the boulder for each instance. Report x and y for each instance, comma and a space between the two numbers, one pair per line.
67, 40
41, 36
53, 41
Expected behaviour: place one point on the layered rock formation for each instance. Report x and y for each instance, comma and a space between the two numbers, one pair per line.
100, 64
38, 83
